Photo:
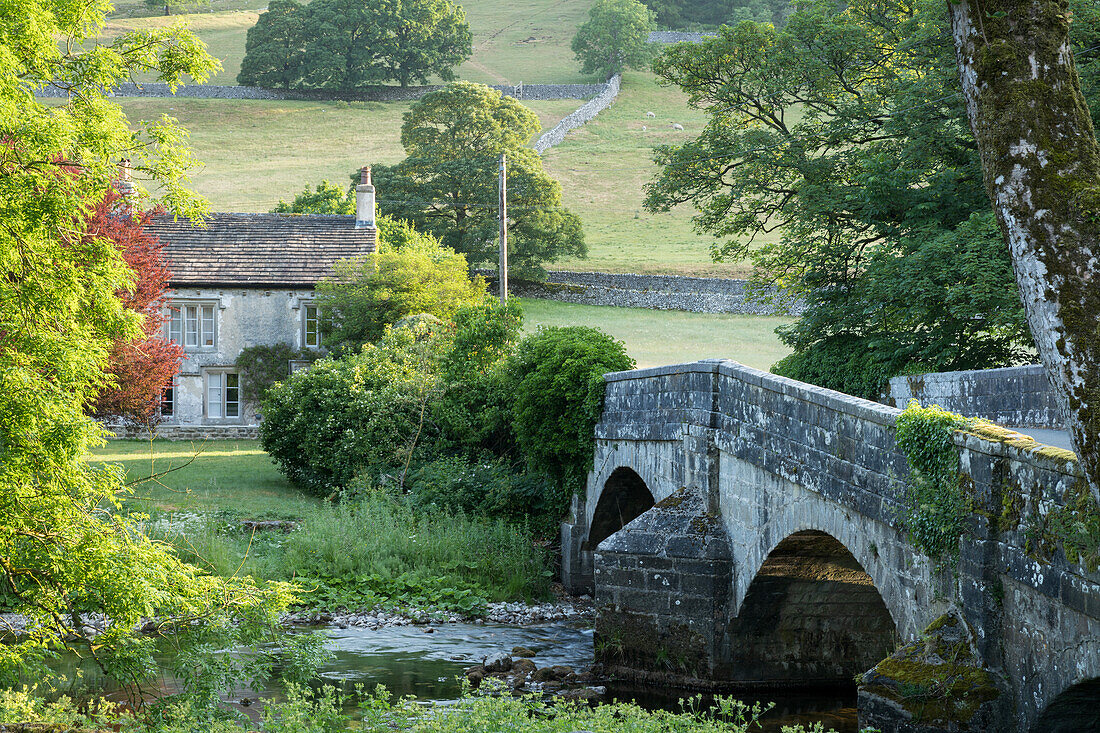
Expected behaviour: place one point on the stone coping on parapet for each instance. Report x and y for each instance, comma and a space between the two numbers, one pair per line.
856, 406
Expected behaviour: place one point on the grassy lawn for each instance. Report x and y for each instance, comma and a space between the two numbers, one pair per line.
225, 476
670, 337
523, 41
256, 152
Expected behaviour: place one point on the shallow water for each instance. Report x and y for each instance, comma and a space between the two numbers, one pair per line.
410, 661
428, 663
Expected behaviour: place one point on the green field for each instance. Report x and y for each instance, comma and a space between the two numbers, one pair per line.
655, 337
524, 41
205, 476
256, 152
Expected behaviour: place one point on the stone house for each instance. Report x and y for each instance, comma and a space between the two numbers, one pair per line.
245, 280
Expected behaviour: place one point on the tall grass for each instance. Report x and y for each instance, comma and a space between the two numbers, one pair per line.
372, 548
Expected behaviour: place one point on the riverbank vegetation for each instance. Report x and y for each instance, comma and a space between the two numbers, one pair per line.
326, 711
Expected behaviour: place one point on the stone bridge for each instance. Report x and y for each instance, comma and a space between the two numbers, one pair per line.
741, 529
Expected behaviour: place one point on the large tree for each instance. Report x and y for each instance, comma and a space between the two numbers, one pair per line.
427, 37
448, 183
836, 156
615, 38
347, 44
142, 367
1041, 164
63, 552
274, 46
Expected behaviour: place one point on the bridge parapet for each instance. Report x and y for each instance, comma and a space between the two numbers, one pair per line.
772, 459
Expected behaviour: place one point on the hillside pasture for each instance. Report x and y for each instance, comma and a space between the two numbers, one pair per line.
522, 41
603, 167
256, 152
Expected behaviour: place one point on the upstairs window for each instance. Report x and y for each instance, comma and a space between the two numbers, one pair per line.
311, 327
223, 395
192, 326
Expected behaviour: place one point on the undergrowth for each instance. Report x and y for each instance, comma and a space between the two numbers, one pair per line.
376, 552
326, 711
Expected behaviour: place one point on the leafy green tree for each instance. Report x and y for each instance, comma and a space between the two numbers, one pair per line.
448, 183
615, 38
327, 198
416, 275
64, 550
344, 42
845, 132
427, 37
274, 46
361, 413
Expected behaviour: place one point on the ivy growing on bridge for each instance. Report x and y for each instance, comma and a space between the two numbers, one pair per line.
938, 504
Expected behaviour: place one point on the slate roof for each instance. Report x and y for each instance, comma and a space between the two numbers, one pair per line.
258, 250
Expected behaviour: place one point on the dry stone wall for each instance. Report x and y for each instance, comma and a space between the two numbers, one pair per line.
586, 112
658, 292
379, 93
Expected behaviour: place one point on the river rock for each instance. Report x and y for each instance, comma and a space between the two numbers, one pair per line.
475, 675
522, 651
585, 695
499, 662
523, 666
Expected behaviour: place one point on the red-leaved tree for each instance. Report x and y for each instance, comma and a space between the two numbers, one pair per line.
142, 368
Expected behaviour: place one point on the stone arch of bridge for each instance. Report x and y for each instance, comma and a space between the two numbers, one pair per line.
654, 462
882, 552
1075, 709
811, 614
623, 497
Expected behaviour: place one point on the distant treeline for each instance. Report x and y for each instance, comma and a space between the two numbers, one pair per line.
347, 44
683, 14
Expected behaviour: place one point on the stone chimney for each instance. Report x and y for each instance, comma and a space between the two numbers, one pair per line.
125, 185
364, 201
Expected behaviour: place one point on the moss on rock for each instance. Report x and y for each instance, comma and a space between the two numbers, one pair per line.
937, 680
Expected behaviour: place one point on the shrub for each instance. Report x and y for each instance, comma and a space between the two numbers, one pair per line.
557, 383
365, 411
489, 488
367, 293
475, 411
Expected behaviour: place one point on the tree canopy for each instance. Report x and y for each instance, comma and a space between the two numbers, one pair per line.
347, 44
273, 47
836, 154
615, 38
448, 183
140, 368
63, 552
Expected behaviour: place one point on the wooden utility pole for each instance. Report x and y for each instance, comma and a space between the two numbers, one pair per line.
503, 209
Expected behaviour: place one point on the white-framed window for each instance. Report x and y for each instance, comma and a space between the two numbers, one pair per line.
311, 327
193, 325
223, 395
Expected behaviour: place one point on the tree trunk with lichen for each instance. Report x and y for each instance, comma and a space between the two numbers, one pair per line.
1041, 164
